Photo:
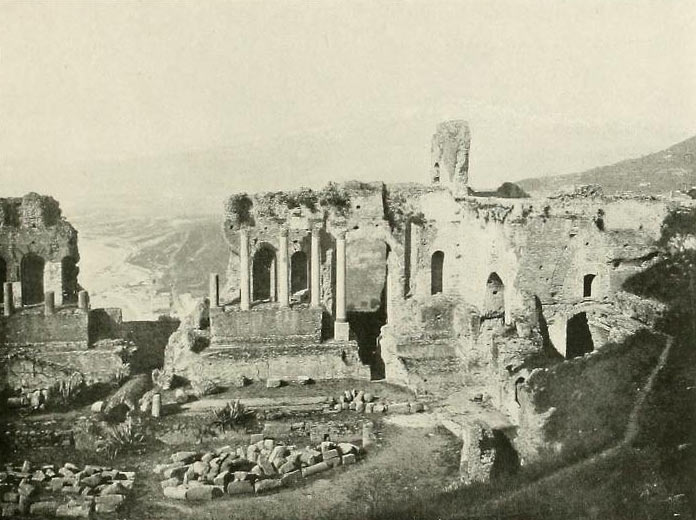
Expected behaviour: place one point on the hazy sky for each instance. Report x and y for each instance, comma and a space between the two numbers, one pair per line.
331, 90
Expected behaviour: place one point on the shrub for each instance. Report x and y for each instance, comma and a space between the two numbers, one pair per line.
120, 437
232, 415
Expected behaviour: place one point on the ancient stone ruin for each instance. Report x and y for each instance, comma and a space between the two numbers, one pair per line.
506, 317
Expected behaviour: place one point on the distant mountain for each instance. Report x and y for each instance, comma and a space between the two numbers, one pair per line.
657, 173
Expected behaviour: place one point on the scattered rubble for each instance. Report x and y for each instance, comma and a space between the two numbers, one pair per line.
262, 466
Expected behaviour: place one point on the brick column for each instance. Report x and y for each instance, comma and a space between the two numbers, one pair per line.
245, 296
315, 286
341, 329
8, 298
49, 303
214, 289
83, 300
283, 288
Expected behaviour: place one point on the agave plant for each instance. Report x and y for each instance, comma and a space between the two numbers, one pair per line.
232, 415
120, 437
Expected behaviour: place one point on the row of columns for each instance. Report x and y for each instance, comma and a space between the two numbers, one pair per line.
341, 324
49, 300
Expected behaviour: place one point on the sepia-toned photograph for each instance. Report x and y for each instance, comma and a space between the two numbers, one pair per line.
366, 260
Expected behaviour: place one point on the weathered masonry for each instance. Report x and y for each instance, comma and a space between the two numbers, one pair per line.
48, 331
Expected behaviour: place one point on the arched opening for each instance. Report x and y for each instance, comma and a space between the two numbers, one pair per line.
69, 285
578, 336
32, 279
494, 304
298, 272
436, 264
587, 285
518, 385
264, 274
3, 278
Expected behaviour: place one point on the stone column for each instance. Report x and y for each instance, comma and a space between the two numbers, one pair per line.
214, 288
49, 303
83, 300
341, 329
245, 296
315, 286
283, 288
8, 298
273, 296
156, 405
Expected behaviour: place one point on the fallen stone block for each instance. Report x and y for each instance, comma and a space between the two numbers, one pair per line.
273, 383
380, 408
416, 407
170, 482
26, 489
203, 493
176, 472
11, 510
184, 456
256, 470
240, 487
56, 483
263, 486
97, 407
368, 397
310, 457
288, 467
348, 459
290, 477
45, 508
207, 457
75, 510
10, 496
177, 492
114, 489
330, 454
109, 503
305, 380
92, 480
314, 469
200, 467
369, 407
39, 476
223, 479
334, 462
345, 448
256, 437
268, 444
399, 408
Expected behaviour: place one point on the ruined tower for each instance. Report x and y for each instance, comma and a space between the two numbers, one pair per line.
449, 153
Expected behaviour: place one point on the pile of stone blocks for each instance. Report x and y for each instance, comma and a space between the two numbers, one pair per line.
68, 491
366, 402
262, 466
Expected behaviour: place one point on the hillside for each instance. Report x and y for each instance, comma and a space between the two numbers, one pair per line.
660, 172
149, 266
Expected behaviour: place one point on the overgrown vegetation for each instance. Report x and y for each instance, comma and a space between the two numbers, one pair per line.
239, 206
231, 416
121, 437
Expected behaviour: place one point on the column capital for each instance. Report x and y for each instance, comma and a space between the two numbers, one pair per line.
315, 229
284, 232
340, 234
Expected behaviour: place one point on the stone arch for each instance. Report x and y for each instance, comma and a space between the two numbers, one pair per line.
299, 277
264, 273
578, 336
587, 281
494, 301
69, 285
32, 269
3, 277
437, 263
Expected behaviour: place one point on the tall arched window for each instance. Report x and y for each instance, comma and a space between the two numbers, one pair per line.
587, 285
436, 265
32, 279
298, 272
264, 274
494, 304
